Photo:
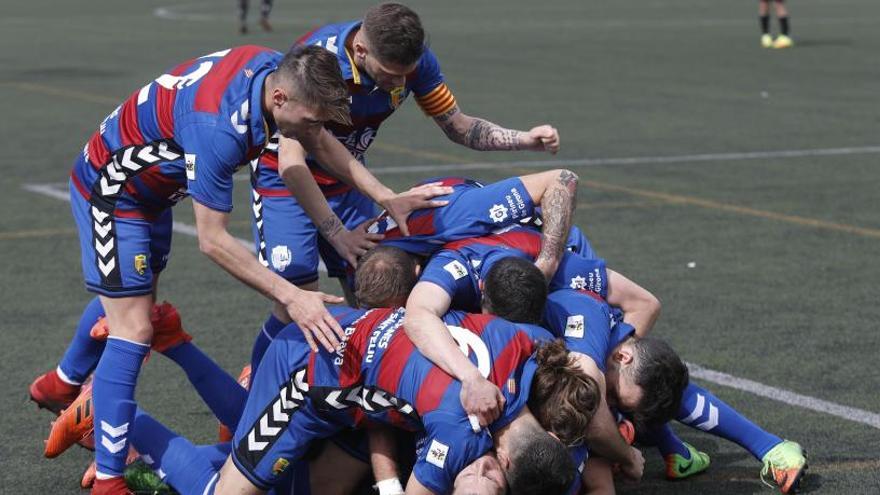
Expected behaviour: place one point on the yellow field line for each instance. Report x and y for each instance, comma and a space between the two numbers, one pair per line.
25, 234
38, 233
714, 205
62, 92
669, 198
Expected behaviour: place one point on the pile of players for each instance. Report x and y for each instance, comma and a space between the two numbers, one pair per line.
485, 348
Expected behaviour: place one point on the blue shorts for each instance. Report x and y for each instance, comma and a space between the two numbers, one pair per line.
280, 421
120, 256
288, 242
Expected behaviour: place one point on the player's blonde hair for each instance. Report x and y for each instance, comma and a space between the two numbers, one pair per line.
317, 81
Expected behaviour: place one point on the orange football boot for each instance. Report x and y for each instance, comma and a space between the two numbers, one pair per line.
74, 424
167, 328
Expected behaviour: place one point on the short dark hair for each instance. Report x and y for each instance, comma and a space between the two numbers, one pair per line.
385, 276
395, 33
662, 377
316, 81
515, 289
562, 397
539, 464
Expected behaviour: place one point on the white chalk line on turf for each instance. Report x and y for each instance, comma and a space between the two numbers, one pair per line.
780, 395
634, 160
59, 191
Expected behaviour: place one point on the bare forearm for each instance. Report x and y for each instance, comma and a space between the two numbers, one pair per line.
478, 134
603, 437
238, 261
557, 209
335, 157
302, 185
431, 337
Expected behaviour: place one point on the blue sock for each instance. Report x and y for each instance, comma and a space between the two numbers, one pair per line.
700, 409
270, 329
83, 353
187, 468
113, 395
223, 395
668, 442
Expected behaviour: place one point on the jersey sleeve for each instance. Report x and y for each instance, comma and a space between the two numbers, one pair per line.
212, 156
482, 210
577, 272
447, 447
432, 93
582, 321
450, 271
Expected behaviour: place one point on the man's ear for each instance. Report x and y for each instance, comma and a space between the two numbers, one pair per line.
623, 355
279, 97
360, 50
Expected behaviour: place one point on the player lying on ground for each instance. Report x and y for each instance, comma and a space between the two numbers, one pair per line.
600, 342
474, 210
298, 396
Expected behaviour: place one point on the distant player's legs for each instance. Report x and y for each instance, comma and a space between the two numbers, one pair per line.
265, 10
242, 16
764, 17
783, 40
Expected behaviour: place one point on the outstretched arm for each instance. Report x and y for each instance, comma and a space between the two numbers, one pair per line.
304, 307
482, 135
425, 307
556, 192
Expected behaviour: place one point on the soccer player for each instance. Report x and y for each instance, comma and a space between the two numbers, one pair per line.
646, 379
298, 396
384, 59
472, 209
185, 133
783, 40
265, 10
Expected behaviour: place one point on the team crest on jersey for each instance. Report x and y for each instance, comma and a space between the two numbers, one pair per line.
281, 257
279, 466
140, 263
498, 213
437, 453
397, 95
574, 326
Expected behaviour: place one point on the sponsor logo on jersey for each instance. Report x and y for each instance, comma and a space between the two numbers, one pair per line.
281, 257
437, 454
456, 269
516, 203
574, 326
279, 466
498, 213
140, 263
578, 283
190, 161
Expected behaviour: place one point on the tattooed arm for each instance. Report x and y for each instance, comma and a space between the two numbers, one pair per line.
482, 135
556, 192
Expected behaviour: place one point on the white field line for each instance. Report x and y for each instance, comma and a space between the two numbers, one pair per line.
594, 162
59, 191
813, 404
635, 160
780, 395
